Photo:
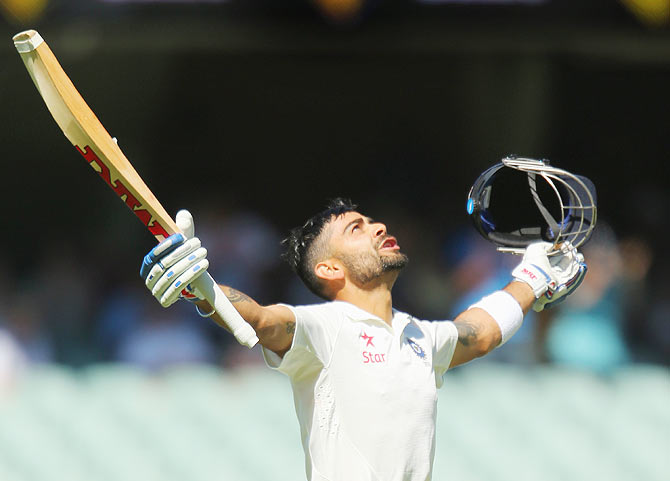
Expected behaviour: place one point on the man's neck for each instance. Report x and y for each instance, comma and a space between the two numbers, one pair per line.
376, 300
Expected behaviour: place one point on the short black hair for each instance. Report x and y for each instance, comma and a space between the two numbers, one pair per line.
302, 253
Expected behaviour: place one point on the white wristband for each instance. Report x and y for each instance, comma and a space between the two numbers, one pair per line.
505, 310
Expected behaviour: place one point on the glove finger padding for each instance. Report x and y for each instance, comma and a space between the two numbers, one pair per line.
170, 266
154, 256
170, 283
170, 258
173, 291
569, 269
551, 298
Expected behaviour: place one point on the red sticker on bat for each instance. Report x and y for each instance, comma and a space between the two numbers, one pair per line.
122, 191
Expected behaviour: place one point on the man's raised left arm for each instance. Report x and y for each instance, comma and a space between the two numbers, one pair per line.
539, 281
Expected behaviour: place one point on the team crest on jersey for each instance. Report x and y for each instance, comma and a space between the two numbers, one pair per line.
418, 350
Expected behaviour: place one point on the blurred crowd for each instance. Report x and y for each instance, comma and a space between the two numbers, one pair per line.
72, 310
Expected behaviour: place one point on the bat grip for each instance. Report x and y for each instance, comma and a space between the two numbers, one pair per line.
242, 331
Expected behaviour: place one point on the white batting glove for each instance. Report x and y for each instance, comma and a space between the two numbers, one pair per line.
551, 278
170, 267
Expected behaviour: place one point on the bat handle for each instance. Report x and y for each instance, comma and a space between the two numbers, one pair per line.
242, 331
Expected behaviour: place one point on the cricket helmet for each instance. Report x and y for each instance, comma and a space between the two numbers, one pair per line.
520, 200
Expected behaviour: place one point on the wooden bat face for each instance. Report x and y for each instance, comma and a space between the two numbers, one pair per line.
86, 133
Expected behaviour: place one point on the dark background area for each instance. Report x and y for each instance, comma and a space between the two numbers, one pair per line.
271, 108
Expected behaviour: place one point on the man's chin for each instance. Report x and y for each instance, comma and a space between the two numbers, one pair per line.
394, 261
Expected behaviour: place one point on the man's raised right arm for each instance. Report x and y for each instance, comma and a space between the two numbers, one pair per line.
169, 269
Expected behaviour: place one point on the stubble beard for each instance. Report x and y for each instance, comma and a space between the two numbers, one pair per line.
365, 268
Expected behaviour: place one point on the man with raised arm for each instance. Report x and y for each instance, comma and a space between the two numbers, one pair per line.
365, 375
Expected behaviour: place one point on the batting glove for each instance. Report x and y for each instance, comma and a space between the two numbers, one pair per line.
170, 267
551, 278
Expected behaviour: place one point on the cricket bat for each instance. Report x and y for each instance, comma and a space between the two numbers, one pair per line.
89, 137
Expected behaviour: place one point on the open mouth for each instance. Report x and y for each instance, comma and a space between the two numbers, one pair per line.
389, 243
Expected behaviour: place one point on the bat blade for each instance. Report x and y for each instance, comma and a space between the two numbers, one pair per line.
89, 137
93, 142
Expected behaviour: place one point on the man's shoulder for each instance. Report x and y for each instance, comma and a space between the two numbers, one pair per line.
429, 326
328, 309
319, 306
334, 310
410, 317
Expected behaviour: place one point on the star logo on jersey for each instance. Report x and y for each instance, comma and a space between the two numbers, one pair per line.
368, 339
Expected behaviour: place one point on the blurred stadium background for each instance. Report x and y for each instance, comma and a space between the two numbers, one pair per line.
253, 113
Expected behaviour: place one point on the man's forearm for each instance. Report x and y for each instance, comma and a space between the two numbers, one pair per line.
249, 309
274, 325
479, 331
523, 294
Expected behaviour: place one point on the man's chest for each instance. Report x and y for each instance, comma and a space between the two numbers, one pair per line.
377, 375
374, 354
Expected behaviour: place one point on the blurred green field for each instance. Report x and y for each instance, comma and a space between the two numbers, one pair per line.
495, 423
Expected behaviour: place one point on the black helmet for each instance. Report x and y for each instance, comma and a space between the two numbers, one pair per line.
510, 207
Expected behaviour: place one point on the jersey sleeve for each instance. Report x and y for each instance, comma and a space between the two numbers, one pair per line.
316, 328
445, 338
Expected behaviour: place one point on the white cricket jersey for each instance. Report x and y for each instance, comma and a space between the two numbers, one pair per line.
365, 392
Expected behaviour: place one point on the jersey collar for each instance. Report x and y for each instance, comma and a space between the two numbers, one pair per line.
356, 314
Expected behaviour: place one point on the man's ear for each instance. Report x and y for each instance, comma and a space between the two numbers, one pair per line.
329, 270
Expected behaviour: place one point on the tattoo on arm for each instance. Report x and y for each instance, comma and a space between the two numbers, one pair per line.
234, 296
290, 327
467, 332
